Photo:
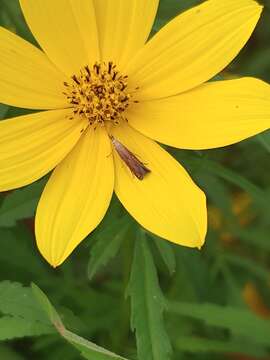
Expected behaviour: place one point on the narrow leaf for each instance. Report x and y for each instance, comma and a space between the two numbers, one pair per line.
17, 300
88, 349
20, 204
238, 321
107, 245
264, 139
254, 236
231, 176
248, 265
3, 111
200, 345
166, 252
22, 317
236, 179
16, 327
147, 305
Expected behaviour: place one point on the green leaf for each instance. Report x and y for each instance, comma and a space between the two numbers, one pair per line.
254, 236
107, 245
147, 305
18, 241
264, 138
200, 345
9, 353
16, 327
17, 300
239, 321
236, 179
22, 315
221, 171
217, 193
3, 111
20, 204
248, 265
88, 349
12, 19
166, 252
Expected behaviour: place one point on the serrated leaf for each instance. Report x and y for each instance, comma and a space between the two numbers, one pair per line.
88, 349
147, 305
20, 204
17, 300
107, 245
22, 315
166, 252
16, 327
239, 321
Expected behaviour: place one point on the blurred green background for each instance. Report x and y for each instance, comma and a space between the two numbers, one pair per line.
211, 304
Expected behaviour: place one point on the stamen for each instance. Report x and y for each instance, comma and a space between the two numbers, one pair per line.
99, 94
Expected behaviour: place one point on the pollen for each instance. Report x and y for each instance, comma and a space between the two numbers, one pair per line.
99, 94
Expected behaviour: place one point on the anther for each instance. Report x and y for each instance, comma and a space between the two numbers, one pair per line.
99, 94
76, 80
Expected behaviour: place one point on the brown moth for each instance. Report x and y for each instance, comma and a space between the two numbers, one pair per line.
133, 163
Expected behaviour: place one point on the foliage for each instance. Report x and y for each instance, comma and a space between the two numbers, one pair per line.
131, 292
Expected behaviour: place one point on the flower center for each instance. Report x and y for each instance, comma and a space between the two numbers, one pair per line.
99, 94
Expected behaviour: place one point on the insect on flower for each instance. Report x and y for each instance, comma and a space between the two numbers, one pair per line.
96, 76
137, 167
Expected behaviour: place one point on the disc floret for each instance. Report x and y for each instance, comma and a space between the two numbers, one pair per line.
99, 94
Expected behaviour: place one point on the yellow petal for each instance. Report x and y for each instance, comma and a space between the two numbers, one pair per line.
76, 197
166, 202
124, 27
193, 47
32, 145
213, 115
66, 31
27, 77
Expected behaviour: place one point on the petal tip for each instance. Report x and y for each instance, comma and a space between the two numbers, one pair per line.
259, 8
53, 262
202, 242
54, 266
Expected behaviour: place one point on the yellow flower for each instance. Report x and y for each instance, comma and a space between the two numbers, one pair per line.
103, 85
